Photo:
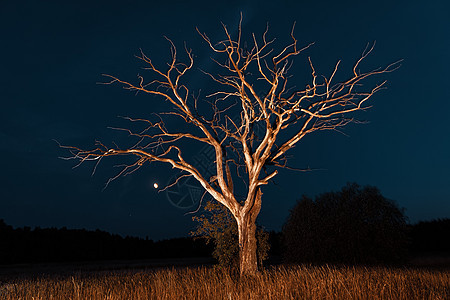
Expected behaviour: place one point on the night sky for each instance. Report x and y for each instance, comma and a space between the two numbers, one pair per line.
52, 55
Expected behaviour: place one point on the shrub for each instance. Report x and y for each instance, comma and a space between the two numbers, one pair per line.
217, 225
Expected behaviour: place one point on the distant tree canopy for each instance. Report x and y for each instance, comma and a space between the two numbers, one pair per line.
356, 225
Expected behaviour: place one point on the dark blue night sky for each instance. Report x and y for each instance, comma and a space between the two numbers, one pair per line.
53, 53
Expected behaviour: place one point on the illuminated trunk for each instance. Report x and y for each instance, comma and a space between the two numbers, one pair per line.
246, 222
248, 263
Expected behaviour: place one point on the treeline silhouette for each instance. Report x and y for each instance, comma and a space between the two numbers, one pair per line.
355, 225
431, 237
315, 236
26, 245
358, 225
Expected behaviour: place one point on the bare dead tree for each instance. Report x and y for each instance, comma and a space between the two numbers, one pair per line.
256, 84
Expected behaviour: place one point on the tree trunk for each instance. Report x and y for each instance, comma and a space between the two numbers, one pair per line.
246, 222
248, 262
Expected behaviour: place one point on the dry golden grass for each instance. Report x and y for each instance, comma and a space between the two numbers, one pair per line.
303, 282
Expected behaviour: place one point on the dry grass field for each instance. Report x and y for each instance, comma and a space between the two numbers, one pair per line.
300, 282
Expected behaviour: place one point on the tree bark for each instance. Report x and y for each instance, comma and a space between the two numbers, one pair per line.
248, 262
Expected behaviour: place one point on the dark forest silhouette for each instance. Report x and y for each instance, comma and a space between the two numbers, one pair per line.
39, 245
431, 237
24, 245
356, 225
